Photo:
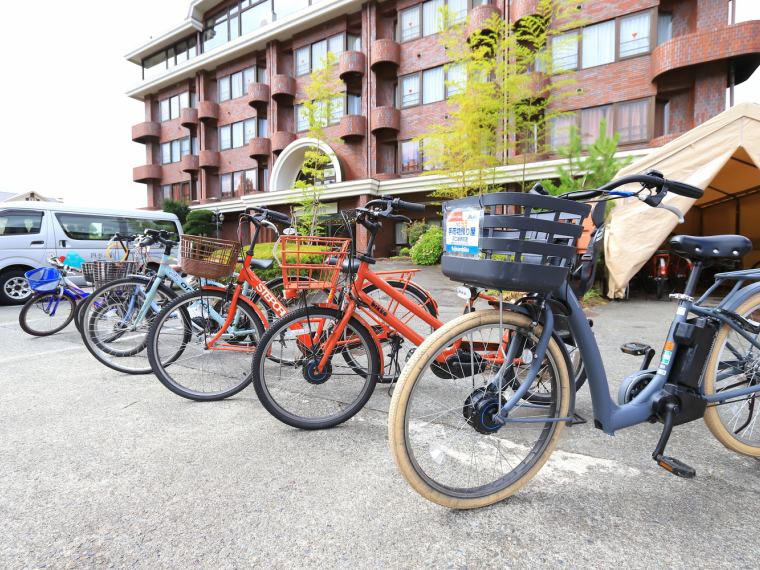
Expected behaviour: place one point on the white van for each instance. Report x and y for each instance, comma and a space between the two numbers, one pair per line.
32, 232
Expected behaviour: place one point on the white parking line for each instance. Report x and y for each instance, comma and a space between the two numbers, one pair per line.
38, 354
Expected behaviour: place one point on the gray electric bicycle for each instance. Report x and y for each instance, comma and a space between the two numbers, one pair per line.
477, 434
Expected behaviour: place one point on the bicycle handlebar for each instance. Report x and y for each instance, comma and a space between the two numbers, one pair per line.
651, 180
271, 215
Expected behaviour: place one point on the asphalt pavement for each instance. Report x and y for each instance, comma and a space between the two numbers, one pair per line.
100, 469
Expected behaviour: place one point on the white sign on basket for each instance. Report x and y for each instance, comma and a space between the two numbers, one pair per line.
462, 226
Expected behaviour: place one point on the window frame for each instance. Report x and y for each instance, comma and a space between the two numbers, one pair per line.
255, 70
400, 157
420, 92
21, 211
239, 175
421, 33
175, 101
310, 47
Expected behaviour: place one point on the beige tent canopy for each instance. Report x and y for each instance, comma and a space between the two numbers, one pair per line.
721, 156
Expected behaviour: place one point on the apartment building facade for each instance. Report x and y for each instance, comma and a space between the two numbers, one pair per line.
224, 125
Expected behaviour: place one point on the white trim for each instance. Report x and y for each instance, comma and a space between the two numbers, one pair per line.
282, 29
541, 170
288, 164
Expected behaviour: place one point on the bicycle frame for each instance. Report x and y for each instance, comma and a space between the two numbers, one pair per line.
609, 416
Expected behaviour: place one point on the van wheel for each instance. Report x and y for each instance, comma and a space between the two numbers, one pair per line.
14, 288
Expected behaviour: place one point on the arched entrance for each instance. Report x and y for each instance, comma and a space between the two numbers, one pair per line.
288, 165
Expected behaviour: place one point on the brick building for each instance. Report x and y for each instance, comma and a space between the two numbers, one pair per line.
223, 126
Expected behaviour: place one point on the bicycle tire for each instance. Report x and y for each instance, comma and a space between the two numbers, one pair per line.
162, 367
115, 359
24, 319
712, 415
78, 314
287, 417
457, 497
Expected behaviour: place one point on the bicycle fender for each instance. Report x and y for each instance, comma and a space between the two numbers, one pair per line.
733, 302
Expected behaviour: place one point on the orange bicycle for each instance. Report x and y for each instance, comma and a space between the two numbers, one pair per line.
318, 366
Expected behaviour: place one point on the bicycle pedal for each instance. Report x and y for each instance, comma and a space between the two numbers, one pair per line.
635, 348
577, 420
676, 467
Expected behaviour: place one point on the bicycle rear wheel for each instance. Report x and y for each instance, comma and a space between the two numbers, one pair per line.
110, 330
734, 363
442, 433
180, 353
47, 313
286, 375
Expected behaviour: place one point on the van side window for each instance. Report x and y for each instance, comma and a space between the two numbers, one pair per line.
20, 222
85, 227
139, 225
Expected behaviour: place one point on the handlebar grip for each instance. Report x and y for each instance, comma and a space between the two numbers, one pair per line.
682, 189
412, 206
278, 217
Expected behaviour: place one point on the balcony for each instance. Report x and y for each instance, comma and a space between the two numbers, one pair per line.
259, 147
352, 127
383, 119
189, 163
386, 55
147, 173
188, 118
208, 111
521, 8
208, 160
149, 131
740, 42
258, 96
352, 65
479, 16
283, 88
281, 139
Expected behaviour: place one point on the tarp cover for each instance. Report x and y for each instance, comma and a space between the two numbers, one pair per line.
720, 156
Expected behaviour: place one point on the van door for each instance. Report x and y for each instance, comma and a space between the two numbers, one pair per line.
87, 234
24, 244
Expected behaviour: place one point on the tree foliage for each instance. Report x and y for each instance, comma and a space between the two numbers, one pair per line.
200, 223
590, 170
500, 99
177, 207
319, 106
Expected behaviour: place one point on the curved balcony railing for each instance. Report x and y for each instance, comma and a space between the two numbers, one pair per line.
386, 54
208, 159
146, 132
281, 139
189, 163
258, 96
147, 173
188, 118
259, 147
283, 87
385, 119
352, 65
352, 127
208, 111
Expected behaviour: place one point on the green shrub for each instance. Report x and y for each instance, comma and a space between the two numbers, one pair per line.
199, 223
429, 248
404, 252
415, 231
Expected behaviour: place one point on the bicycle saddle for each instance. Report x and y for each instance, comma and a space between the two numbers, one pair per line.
711, 247
261, 263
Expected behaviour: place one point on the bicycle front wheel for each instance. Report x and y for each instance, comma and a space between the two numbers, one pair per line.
288, 379
114, 331
734, 363
442, 433
194, 355
47, 313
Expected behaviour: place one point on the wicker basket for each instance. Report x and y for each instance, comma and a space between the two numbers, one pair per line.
208, 257
310, 262
101, 272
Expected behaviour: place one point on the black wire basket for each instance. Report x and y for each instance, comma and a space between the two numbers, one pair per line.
511, 241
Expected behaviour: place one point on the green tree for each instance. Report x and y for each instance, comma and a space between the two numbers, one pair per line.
503, 92
177, 207
588, 166
200, 223
320, 106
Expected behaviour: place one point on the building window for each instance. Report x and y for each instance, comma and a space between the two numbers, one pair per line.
591, 120
353, 104
242, 18
171, 106
284, 8
237, 134
431, 85
236, 84
262, 129
311, 57
263, 177
239, 183
664, 27
634, 34
632, 121
302, 118
410, 23
411, 156
565, 51
431, 17
559, 130
599, 44
173, 151
166, 192
425, 19
168, 58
